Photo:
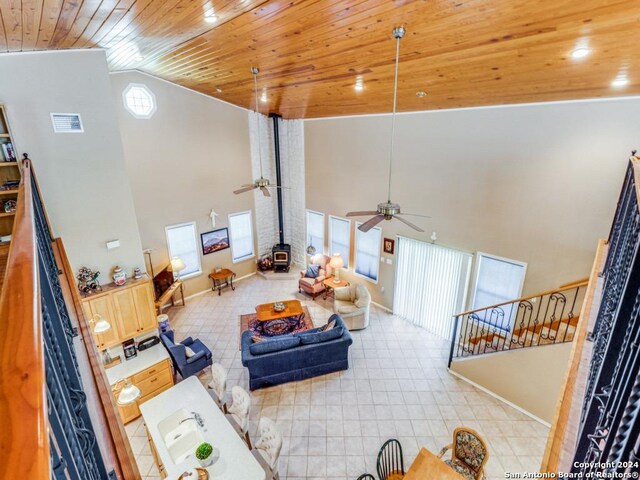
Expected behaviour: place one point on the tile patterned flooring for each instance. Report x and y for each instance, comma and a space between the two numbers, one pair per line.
397, 385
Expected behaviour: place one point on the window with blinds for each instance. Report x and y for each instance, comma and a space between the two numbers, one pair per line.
340, 238
315, 230
241, 236
182, 242
431, 284
367, 257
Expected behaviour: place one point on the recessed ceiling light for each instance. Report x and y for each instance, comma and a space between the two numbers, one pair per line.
219, 90
421, 93
620, 81
359, 85
580, 52
210, 16
263, 97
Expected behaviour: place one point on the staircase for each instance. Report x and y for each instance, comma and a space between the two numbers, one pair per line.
547, 318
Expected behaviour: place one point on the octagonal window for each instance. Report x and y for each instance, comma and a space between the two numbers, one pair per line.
139, 100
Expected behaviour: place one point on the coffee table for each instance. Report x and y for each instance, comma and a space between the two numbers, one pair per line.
265, 311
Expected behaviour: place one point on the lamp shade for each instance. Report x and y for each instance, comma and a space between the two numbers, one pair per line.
177, 264
336, 261
100, 325
129, 393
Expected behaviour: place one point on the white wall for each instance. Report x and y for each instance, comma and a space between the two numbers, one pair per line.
82, 176
536, 183
182, 162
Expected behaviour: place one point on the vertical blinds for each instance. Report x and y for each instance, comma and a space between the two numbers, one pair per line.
430, 284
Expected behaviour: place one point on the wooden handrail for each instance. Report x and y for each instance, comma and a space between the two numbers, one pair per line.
570, 286
24, 439
575, 283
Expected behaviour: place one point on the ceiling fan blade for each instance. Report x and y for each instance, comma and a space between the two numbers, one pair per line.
369, 224
265, 191
362, 214
406, 222
414, 215
245, 188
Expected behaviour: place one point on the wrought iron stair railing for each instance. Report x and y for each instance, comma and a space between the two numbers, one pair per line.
543, 319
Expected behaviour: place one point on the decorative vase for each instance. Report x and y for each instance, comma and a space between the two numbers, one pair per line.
137, 273
119, 276
207, 461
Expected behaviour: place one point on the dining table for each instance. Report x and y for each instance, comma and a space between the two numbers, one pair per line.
428, 466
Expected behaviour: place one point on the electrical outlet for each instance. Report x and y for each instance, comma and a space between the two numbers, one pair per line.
113, 244
381, 259
381, 289
389, 261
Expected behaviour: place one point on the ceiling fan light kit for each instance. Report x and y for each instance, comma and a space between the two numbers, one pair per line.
389, 210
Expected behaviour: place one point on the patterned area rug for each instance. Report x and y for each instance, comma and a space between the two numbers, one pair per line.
275, 327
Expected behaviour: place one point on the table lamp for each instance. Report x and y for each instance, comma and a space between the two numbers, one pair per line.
129, 393
336, 263
177, 265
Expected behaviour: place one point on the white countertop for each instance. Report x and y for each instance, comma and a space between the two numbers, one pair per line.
236, 462
140, 362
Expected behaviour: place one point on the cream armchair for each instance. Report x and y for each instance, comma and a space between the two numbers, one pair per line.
352, 303
314, 286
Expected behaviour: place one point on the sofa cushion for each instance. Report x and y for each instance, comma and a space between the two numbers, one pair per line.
308, 281
320, 337
345, 307
312, 271
307, 332
189, 352
276, 344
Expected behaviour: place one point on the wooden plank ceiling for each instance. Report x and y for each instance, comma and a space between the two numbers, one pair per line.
311, 53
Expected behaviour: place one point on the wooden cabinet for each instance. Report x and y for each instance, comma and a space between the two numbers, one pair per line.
10, 174
152, 381
129, 309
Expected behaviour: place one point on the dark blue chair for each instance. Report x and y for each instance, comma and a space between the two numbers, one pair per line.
187, 366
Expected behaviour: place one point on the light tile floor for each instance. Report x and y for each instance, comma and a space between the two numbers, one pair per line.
397, 386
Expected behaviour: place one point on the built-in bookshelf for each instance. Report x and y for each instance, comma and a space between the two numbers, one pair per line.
9, 177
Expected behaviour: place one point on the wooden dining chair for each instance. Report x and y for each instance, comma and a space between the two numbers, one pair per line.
269, 446
390, 462
469, 453
239, 411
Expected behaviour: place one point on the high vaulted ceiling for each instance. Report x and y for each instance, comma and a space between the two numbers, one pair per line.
311, 52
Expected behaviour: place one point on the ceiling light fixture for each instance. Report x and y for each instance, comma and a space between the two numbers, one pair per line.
580, 52
210, 16
389, 210
620, 81
263, 97
219, 90
421, 93
359, 86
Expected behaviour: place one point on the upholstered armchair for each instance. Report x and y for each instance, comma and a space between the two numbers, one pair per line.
185, 365
352, 303
469, 453
314, 286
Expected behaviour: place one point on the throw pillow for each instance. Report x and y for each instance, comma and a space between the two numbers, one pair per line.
190, 353
329, 326
322, 336
257, 338
312, 271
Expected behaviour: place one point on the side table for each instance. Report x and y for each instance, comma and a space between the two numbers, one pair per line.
330, 286
223, 278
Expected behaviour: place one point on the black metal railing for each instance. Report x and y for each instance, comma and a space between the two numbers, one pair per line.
609, 435
547, 318
74, 451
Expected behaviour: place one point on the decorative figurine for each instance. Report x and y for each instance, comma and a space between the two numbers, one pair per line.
137, 273
88, 281
119, 276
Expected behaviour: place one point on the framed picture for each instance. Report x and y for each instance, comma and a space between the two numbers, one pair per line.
389, 246
215, 240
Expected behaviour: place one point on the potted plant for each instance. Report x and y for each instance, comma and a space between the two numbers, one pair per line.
204, 454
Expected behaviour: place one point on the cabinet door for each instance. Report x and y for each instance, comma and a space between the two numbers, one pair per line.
126, 313
127, 412
145, 307
104, 307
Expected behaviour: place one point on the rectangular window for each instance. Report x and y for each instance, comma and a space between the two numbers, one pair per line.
368, 252
182, 243
340, 238
497, 280
241, 236
315, 230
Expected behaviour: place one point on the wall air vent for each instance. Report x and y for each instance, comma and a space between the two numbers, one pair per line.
67, 123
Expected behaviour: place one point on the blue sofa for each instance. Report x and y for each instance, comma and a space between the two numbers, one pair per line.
187, 366
287, 358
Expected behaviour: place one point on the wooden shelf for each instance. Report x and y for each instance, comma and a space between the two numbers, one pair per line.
4, 135
10, 214
8, 164
8, 192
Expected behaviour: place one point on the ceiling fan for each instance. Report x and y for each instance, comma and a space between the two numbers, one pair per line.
262, 183
389, 210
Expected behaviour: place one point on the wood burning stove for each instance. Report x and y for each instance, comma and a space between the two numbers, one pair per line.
281, 252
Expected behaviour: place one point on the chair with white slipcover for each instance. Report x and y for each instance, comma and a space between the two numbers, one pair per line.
218, 384
269, 445
239, 411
